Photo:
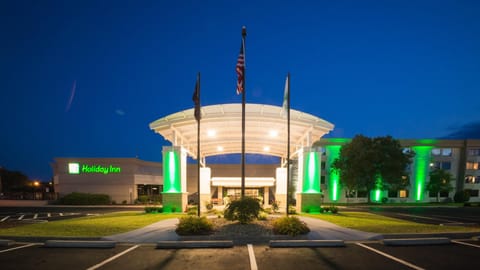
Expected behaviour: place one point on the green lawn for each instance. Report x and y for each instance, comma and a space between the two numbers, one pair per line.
91, 226
368, 222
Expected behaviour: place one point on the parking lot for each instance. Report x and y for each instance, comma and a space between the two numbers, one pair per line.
355, 255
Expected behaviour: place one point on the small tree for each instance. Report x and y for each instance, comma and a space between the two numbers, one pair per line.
244, 210
377, 163
439, 181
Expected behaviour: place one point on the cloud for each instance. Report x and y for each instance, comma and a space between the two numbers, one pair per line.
119, 112
466, 131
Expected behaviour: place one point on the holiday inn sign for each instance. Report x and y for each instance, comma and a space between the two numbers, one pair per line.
77, 168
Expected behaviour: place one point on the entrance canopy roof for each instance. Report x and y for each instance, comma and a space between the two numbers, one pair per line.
221, 130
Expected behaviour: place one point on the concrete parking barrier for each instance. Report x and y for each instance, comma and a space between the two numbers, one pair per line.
307, 243
5, 243
194, 244
79, 244
417, 241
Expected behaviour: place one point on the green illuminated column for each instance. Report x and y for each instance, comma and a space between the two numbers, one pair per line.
333, 152
310, 197
421, 168
376, 194
174, 199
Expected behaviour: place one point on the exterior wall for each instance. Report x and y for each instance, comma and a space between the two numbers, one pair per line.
438, 153
121, 185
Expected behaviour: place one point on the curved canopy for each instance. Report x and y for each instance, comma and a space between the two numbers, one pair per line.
221, 129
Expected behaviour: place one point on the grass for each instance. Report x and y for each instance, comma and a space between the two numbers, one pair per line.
91, 226
369, 222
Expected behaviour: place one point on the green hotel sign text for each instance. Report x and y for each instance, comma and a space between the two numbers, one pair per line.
77, 168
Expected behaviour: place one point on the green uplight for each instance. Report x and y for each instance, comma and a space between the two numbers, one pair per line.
421, 168
171, 172
311, 178
377, 195
333, 152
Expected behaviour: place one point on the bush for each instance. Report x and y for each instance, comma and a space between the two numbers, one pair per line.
143, 199
244, 210
290, 226
292, 210
209, 205
193, 225
275, 205
77, 198
462, 196
153, 209
262, 216
333, 209
193, 211
384, 200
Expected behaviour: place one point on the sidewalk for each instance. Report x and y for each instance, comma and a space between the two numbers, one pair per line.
165, 231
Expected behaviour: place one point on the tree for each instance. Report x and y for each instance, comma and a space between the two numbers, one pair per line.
439, 181
368, 164
13, 180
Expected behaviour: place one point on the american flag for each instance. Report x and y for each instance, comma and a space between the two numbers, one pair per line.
240, 69
196, 99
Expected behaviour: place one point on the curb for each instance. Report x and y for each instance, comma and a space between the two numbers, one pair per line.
194, 244
79, 244
307, 243
417, 241
5, 243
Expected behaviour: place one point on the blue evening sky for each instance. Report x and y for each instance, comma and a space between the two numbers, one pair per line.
85, 78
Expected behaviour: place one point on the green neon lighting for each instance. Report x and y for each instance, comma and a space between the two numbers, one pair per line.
333, 152
76, 168
421, 169
171, 172
377, 195
311, 178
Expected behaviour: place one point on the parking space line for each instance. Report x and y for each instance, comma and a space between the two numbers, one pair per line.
251, 255
21, 217
10, 249
49, 214
466, 244
35, 216
391, 257
96, 266
60, 214
5, 218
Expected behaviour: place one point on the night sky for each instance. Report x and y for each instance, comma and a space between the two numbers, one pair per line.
85, 78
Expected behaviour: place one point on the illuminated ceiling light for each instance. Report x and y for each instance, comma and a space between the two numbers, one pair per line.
273, 133
220, 148
266, 148
211, 133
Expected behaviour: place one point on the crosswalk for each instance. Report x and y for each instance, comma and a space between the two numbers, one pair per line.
37, 216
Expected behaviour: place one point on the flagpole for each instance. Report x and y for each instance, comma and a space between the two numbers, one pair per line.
288, 137
244, 34
198, 145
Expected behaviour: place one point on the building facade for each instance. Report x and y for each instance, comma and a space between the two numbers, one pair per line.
461, 158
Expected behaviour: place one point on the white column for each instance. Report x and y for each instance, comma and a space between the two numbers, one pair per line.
281, 187
183, 169
205, 193
300, 171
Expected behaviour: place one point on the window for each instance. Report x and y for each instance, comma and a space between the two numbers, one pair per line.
470, 179
444, 165
322, 165
361, 194
444, 193
472, 165
446, 152
403, 193
473, 192
474, 152
322, 179
392, 194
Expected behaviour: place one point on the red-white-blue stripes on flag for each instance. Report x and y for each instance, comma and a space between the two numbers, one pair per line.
240, 68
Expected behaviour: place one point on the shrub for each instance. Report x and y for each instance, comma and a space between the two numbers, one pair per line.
193, 225
462, 196
124, 202
333, 209
153, 209
192, 210
244, 210
143, 199
262, 216
292, 210
384, 200
77, 198
209, 205
290, 226
275, 205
